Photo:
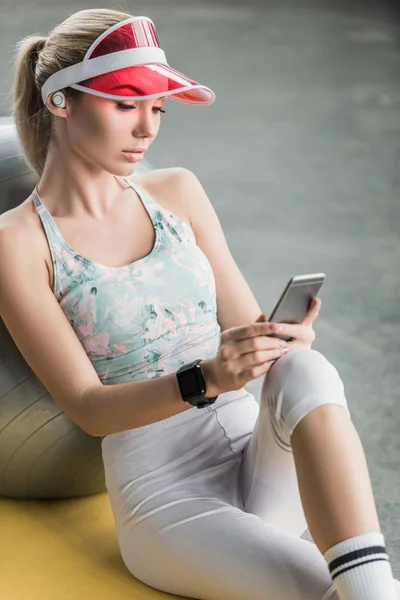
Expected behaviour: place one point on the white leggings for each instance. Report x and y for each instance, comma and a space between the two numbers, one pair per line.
206, 502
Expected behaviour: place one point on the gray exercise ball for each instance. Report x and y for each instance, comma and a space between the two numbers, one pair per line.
43, 454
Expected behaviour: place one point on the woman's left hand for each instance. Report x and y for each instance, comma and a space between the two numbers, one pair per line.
303, 334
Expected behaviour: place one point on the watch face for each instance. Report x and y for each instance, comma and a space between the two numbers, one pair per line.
189, 383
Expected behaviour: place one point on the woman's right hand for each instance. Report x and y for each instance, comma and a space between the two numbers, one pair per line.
245, 353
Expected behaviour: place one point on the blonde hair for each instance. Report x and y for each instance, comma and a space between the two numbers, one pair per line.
37, 58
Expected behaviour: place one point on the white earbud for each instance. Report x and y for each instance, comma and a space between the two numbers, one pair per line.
58, 99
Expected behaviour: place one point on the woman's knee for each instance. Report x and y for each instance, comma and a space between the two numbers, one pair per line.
299, 382
303, 362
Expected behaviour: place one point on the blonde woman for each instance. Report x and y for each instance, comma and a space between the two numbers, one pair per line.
122, 295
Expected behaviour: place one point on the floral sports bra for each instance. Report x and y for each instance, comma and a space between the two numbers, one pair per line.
144, 319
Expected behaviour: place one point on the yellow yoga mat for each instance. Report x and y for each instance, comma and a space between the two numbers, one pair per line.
64, 550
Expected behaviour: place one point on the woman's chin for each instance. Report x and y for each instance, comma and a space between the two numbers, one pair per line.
124, 170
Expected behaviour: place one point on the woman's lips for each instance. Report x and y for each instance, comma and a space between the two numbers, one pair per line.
134, 156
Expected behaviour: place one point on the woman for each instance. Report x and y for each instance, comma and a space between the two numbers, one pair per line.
122, 295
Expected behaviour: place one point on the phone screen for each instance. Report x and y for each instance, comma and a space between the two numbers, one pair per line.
295, 300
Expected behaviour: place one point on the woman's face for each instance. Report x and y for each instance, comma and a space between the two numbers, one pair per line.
102, 131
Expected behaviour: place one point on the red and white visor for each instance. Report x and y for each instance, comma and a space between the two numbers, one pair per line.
126, 62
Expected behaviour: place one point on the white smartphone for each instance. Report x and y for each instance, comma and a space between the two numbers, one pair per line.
295, 300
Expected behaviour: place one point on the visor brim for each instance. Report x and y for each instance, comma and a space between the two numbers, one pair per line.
144, 82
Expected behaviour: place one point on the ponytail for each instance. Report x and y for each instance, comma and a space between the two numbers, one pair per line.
37, 58
31, 118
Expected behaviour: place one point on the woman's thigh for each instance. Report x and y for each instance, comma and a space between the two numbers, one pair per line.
210, 550
268, 479
267, 482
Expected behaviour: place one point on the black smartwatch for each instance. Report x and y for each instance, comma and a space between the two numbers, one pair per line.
192, 385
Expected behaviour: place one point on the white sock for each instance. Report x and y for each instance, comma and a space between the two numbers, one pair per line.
360, 568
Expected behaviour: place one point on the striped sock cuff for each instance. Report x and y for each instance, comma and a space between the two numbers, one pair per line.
354, 552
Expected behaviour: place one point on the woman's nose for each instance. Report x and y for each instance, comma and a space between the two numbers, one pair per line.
146, 125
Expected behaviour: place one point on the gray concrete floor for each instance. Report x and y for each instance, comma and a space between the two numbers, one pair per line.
300, 157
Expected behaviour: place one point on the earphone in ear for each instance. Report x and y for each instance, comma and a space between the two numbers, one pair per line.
58, 99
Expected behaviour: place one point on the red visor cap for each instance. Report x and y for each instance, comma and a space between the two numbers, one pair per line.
140, 81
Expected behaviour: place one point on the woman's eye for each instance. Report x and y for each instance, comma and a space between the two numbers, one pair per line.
125, 106
121, 106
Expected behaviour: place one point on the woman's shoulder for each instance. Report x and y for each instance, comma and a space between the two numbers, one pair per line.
21, 218
20, 228
169, 187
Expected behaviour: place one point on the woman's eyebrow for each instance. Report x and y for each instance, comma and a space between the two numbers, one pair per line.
135, 89
128, 85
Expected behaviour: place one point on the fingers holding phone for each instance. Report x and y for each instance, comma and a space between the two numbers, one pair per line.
249, 351
246, 353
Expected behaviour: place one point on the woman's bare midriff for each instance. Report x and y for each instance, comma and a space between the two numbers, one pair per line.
127, 236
